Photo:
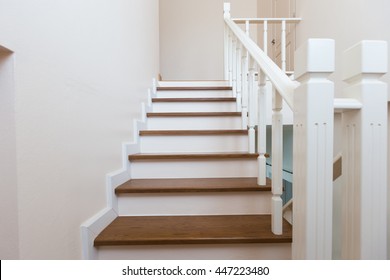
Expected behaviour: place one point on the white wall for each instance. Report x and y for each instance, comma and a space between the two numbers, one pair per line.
348, 22
81, 70
191, 37
9, 235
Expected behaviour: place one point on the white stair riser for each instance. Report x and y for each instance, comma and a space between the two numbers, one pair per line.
215, 203
195, 123
194, 93
201, 143
193, 83
194, 107
194, 169
265, 251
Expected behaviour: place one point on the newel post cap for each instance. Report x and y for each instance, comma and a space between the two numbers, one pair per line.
365, 57
315, 56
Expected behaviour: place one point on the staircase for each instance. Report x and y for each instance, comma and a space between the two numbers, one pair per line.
193, 192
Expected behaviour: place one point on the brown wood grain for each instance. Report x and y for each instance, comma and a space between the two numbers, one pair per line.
183, 132
192, 156
192, 185
222, 229
194, 99
193, 114
194, 88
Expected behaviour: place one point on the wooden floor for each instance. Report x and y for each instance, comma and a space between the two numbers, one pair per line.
159, 230
191, 185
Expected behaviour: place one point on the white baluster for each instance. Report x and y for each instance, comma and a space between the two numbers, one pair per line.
239, 76
252, 106
234, 65
313, 151
230, 61
244, 88
262, 129
154, 86
365, 153
283, 45
247, 28
265, 37
226, 13
277, 163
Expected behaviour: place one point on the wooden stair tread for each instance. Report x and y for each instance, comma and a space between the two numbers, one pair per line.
193, 132
193, 99
222, 229
191, 156
194, 114
194, 88
191, 185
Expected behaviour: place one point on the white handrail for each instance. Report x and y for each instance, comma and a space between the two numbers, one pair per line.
283, 84
269, 20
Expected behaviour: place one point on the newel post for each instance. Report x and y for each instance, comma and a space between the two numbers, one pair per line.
226, 14
365, 153
313, 150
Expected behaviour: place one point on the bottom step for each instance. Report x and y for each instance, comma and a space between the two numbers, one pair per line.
161, 230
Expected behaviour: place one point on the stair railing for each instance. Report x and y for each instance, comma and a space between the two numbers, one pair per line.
243, 59
311, 97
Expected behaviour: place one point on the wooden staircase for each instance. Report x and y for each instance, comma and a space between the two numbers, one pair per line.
193, 192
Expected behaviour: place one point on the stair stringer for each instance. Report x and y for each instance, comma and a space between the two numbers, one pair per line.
91, 228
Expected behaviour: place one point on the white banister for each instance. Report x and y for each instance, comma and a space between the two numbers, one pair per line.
283, 45
239, 76
365, 153
244, 88
262, 128
265, 37
226, 12
277, 163
252, 106
313, 151
234, 65
279, 79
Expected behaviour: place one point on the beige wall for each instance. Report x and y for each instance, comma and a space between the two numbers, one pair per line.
9, 235
191, 37
81, 70
347, 22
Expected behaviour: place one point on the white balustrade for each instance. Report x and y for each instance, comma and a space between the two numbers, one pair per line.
364, 153
311, 97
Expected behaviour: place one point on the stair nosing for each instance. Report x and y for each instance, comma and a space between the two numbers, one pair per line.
192, 99
194, 88
192, 185
191, 156
192, 114
183, 132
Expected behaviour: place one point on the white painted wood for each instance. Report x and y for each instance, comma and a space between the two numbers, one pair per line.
265, 37
90, 230
342, 104
194, 107
206, 204
280, 251
194, 143
262, 128
278, 78
194, 169
239, 76
244, 89
277, 163
269, 20
283, 45
194, 93
195, 122
365, 153
226, 13
252, 106
234, 64
313, 151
